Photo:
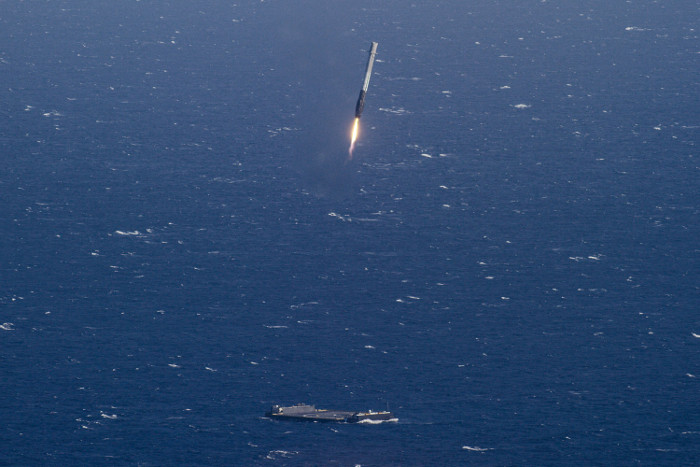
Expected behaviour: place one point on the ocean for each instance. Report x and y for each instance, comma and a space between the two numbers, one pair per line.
509, 261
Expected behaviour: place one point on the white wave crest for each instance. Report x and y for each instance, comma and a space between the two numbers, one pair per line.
123, 232
277, 454
377, 422
475, 448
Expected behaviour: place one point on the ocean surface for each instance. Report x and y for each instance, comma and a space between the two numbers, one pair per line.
510, 261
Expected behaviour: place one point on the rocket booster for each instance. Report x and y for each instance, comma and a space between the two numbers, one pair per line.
368, 74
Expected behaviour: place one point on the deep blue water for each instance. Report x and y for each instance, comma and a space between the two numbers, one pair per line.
510, 261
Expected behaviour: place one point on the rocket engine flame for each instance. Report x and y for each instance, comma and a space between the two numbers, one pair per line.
353, 138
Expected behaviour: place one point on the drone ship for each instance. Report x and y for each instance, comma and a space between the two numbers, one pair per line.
309, 413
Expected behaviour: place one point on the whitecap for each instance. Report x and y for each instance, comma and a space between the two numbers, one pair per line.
394, 110
7, 326
522, 106
273, 455
342, 218
377, 422
53, 113
475, 448
126, 232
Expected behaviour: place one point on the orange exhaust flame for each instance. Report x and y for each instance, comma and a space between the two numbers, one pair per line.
353, 138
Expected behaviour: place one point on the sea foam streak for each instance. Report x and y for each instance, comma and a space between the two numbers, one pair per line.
475, 448
377, 422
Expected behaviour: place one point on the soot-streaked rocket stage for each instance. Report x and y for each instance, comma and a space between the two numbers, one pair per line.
359, 107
